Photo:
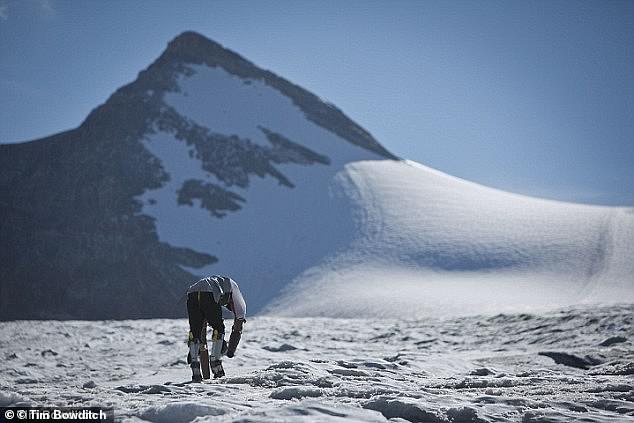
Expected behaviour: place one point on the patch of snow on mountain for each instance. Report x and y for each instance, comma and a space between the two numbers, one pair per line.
616, 278
228, 104
431, 243
276, 235
279, 231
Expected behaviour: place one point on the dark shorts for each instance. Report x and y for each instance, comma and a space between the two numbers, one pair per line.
201, 307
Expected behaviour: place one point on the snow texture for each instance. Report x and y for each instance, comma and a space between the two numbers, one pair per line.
462, 369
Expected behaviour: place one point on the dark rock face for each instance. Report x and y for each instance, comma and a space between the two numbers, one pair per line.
212, 197
74, 241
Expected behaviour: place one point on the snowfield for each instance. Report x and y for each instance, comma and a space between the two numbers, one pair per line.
495, 368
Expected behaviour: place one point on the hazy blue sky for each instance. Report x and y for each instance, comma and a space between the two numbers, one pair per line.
533, 97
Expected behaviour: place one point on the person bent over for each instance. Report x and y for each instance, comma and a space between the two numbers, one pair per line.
205, 300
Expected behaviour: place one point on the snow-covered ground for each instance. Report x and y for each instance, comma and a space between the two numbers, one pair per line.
486, 368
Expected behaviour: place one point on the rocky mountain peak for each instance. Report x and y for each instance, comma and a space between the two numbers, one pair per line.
189, 39
192, 47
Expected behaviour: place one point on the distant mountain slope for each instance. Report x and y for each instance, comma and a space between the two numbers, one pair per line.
208, 164
75, 243
428, 243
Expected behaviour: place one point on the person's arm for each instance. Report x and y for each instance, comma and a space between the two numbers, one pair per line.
238, 305
239, 309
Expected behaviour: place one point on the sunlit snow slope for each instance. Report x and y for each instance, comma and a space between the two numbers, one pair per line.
355, 234
429, 243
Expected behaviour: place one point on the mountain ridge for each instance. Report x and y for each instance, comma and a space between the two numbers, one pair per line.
193, 48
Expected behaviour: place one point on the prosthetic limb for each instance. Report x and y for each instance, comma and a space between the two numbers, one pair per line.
215, 354
194, 353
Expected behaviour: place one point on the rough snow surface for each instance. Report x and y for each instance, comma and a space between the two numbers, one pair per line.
494, 368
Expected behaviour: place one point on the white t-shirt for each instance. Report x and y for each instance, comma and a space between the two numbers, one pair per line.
224, 290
